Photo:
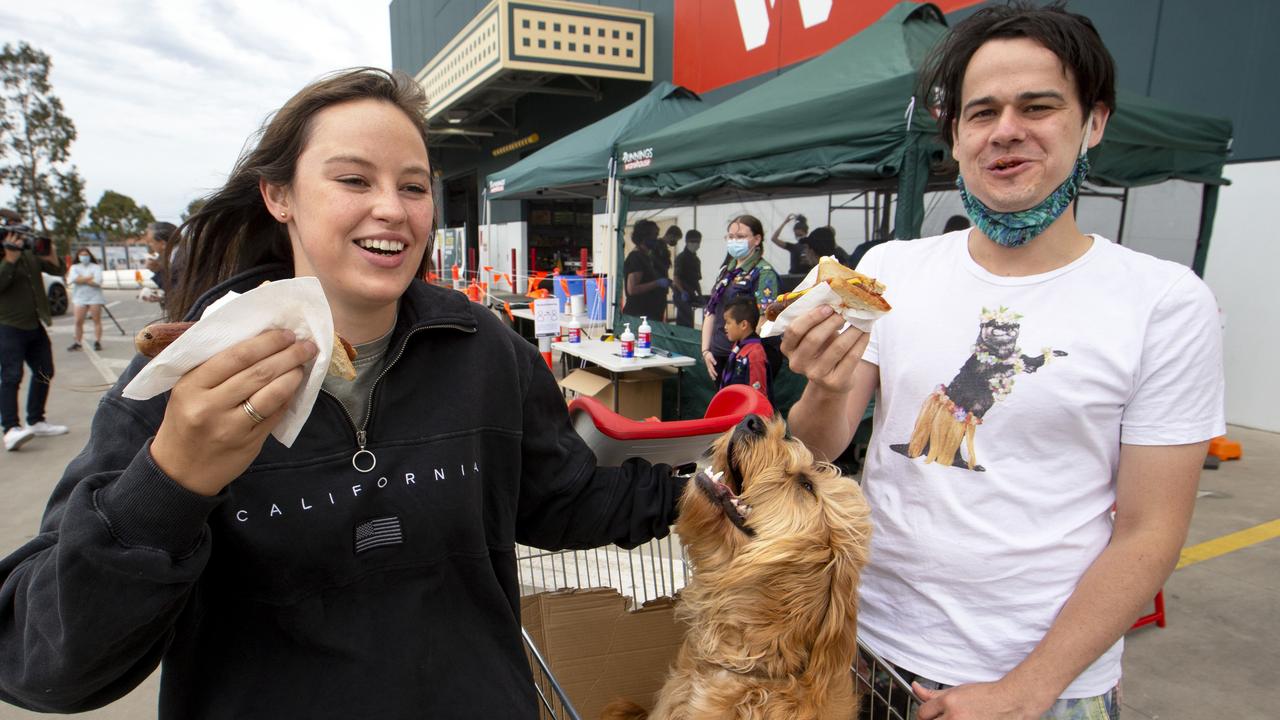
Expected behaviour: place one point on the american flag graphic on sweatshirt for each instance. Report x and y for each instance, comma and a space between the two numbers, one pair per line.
378, 532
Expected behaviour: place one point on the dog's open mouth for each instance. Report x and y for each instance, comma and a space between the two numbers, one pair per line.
722, 495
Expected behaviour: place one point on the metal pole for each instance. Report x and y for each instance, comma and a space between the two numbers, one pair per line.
1124, 210
107, 310
607, 266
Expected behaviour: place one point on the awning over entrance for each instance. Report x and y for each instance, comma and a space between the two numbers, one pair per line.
577, 165
515, 47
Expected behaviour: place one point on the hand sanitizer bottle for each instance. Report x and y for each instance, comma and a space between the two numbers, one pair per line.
643, 338
628, 341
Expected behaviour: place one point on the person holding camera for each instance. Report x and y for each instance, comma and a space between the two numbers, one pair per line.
23, 307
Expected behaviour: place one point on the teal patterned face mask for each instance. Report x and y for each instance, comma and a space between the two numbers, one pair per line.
1014, 229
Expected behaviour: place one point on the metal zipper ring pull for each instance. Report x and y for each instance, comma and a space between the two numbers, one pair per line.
355, 461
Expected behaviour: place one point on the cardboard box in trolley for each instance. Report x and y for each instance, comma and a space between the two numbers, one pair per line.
599, 649
639, 395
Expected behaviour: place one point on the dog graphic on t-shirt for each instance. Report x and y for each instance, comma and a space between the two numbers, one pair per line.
951, 414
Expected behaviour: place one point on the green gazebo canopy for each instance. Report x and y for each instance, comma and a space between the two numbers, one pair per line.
579, 162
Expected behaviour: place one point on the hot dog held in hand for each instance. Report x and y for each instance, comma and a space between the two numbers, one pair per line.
154, 338
827, 325
859, 299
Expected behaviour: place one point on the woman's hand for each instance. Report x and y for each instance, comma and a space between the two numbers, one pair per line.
208, 438
818, 350
710, 361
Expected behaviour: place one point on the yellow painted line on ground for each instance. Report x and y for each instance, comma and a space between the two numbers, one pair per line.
1229, 543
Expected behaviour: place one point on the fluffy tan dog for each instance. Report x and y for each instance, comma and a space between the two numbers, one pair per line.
777, 543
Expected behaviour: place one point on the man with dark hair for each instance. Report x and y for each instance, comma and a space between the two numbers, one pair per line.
687, 278
999, 581
822, 243
23, 340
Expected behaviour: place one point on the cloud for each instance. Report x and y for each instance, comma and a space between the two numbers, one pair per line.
165, 94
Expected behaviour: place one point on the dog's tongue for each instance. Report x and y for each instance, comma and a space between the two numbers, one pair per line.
723, 489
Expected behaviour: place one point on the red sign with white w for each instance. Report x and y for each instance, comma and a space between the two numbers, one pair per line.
719, 42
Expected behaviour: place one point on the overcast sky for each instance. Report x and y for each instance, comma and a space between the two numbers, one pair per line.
164, 94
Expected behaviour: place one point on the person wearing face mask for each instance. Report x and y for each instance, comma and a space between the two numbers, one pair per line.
86, 292
744, 272
646, 287
1030, 378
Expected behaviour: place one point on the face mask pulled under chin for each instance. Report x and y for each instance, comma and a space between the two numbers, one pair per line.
1017, 228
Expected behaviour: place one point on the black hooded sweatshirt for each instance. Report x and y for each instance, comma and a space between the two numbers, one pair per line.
306, 588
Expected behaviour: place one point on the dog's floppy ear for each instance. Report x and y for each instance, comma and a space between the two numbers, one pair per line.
834, 647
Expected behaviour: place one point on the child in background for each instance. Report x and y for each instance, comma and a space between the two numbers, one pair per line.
748, 364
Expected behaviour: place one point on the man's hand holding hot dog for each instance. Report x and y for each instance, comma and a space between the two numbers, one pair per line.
827, 350
207, 437
816, 348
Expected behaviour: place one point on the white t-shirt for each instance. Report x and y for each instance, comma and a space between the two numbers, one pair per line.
969, 568
82, 294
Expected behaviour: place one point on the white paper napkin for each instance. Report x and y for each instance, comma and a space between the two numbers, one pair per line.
818, 296
297, 304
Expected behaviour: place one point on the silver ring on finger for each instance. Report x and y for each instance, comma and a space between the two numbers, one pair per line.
253, 414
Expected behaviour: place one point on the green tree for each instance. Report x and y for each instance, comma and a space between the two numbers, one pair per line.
192, 208
35, 137
67, 208
117, 217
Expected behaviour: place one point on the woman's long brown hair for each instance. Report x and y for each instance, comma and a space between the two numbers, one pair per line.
233, 231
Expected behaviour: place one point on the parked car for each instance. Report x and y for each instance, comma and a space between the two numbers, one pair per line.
56, 289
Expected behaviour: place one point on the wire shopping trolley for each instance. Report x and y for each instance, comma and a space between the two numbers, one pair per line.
660, 569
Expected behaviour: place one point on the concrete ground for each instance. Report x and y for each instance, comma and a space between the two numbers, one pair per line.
1217, 658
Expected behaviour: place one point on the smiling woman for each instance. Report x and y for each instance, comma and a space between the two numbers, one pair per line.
344, 131
284, 582
358, 211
